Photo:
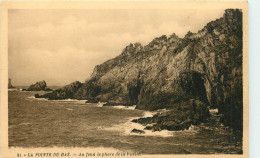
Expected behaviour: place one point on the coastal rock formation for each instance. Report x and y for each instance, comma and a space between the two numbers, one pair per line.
62, 93
180, 117
169, 72
39, 86
138, 131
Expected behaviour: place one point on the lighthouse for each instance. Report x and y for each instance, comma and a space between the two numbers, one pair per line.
10, 84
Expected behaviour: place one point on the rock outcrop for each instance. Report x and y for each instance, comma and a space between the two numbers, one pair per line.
138, 131
170, 71
38, 86
62, 93
180, 117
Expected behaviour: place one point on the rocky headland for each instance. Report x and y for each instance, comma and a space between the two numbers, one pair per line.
185, 76
66, 92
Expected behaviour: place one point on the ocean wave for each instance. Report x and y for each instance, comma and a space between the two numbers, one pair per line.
33, 97
127, 127
70, 100
63, 100
149, 113
125, 107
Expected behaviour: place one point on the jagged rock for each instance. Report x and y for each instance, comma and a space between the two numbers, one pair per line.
148, 128
62, 93
143, 120
138, 131
179, 117
204, 66
134, 120
39, 86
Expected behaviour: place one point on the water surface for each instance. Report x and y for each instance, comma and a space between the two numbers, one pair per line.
42, 123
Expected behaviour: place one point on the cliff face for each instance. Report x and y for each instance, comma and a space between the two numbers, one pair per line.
204, 66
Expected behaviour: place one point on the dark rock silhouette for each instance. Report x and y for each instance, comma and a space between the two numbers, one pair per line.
10, 83
180, 117
169, 72
38, 86
138, 131
62, 93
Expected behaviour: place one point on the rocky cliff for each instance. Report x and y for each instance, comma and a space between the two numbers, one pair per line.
205, 66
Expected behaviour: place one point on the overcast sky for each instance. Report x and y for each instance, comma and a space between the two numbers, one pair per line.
62, 46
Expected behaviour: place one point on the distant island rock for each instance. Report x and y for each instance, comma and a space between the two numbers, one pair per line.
181, 75
38, 86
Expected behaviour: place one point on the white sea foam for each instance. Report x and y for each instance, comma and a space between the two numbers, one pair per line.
125, 107
70, 100
45, 99
128, 126
100, 104
149, 113
64, 100
33, 97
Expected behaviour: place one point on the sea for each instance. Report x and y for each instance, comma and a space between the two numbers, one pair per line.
41, 123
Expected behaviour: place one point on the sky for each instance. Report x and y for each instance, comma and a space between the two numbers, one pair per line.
61, 46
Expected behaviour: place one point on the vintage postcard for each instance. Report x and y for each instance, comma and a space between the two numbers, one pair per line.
124, 79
